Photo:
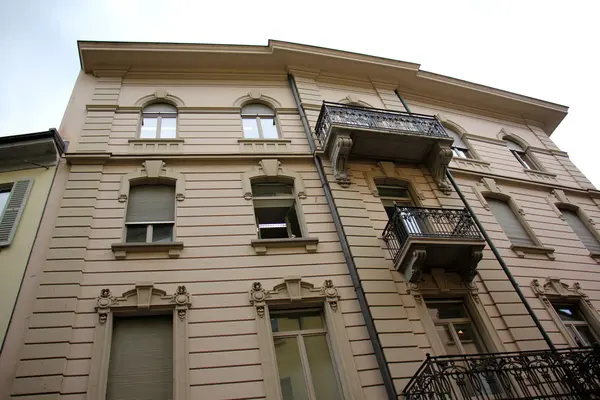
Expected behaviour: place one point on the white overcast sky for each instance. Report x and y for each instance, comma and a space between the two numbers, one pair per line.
544, 49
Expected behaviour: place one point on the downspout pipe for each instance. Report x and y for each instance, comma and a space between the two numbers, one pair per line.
356, 283
497, 254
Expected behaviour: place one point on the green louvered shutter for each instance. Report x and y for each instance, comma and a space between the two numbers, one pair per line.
13, 210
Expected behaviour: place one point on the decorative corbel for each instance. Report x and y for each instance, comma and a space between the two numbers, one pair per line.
468, 273
103, 304
438, 164
340, 152
331, 294
258, 295
414, 268
414, 290
181, 298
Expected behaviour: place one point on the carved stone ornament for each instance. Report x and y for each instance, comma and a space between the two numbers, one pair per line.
438, 164
143, 297
293, 290
271, 168
414, 290
153, 171
340, 151
554, 289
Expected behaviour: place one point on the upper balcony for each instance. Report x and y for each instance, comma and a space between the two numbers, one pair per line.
352, 131
539, 374
423, 238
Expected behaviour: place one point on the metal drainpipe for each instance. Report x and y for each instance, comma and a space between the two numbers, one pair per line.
360, 294
505, 268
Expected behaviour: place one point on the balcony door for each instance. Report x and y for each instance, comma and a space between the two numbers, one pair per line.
394, 194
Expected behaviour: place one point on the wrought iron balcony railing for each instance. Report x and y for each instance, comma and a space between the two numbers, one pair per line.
541, 374
343, 115
417, 222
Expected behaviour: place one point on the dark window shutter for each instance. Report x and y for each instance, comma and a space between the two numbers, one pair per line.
582, 231
13, 210
510, 224
151, 203
141, 359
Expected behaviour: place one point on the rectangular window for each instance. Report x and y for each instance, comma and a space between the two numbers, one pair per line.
4, 195
581, 230
510, 223
141, 359
150, 214
306, 370
576, 324
455, 327
275, 211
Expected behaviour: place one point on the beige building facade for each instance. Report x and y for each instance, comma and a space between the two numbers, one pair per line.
292, 222
29, 162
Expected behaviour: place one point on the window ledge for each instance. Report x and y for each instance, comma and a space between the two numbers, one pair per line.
471, 160
261, 245
538, 172
522, 249
264, 140
121, 249
156, 140
595, 255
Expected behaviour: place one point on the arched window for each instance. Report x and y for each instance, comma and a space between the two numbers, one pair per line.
258, 121
521, 155
459, 147
159, 121
150, 214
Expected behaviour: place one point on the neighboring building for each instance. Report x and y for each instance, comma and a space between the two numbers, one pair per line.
247, 222
28, 163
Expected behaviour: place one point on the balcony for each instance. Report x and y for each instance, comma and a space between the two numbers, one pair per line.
541, 374
351, 131
423, 238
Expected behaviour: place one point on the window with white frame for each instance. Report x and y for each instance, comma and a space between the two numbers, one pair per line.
521, 155
4, 195
258, 121
159, 121
150, 214
459, 147
275, 210
304, 362
454, 326
573, 319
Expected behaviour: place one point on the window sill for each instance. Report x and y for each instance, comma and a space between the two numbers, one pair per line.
121, 249
536, 173
261, 245
156, 140
595, 256
279, 140
471, 160
521, 250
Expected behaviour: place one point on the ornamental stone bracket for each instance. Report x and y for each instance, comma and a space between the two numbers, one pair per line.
293, 290
143, 297
470, 270
439, 159
340, 151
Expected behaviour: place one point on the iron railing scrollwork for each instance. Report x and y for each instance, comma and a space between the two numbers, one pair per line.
376, 119
419, 222
541, 374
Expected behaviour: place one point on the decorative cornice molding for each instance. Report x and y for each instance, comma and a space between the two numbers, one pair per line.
271, 167
153, 170
293, 290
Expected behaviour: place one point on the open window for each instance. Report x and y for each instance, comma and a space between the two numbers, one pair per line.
576, 324
275, 210
459, 147
521, 155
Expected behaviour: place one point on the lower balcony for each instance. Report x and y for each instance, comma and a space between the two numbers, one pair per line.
423, 238
541, 374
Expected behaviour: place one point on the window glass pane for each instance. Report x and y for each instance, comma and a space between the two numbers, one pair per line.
468, 339
293, 223
160, 108
257, 109
270, 189
523, 159
168, 128
269, 128
4, 194
250, 128
321, 368
449, 310
148, 128
290, 369
514, 146
461, 153
446, 339
283, 323
162, 233
136, 233
390, 191
586, 336
568, 313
